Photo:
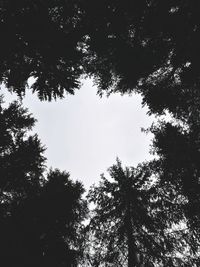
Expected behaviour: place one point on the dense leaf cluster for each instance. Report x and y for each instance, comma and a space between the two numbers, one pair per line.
40, 214
150, 46
134, 220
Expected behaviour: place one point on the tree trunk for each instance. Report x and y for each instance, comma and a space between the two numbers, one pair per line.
132, 249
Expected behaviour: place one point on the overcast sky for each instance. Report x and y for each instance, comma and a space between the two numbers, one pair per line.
84, 133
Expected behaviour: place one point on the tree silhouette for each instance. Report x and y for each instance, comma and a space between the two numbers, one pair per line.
61, 211
21, 155
147, 46
132, 221
38, 41
40, 214
177, 148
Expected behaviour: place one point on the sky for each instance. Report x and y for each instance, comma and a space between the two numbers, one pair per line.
84, 133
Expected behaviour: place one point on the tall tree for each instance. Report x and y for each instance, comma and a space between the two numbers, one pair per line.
177, 148
132, 220
22, 161
52, 222
40, 214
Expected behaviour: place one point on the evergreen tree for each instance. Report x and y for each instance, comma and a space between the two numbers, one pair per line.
40, 214
177, 148
21, 155
132, 221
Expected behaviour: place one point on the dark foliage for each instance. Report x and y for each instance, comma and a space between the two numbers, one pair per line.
150, 46
178, 149
133, 221
21, 155
38, 39
40, 215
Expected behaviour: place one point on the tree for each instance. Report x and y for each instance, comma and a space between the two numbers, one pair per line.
52, 221
21, 155
41, 214
38, 41
132, 221
147, 46
177, 148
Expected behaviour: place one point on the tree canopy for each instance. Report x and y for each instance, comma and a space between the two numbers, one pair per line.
41, 214
134, 218
150, 47
147, 46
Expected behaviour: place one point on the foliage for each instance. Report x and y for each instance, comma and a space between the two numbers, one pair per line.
150, 47
21, 155
147, 46
133, 218
177, 148
40, 214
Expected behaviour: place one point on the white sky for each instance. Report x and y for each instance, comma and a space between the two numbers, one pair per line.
85, 133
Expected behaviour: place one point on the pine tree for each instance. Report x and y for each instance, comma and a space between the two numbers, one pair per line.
132, 220
41, 214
